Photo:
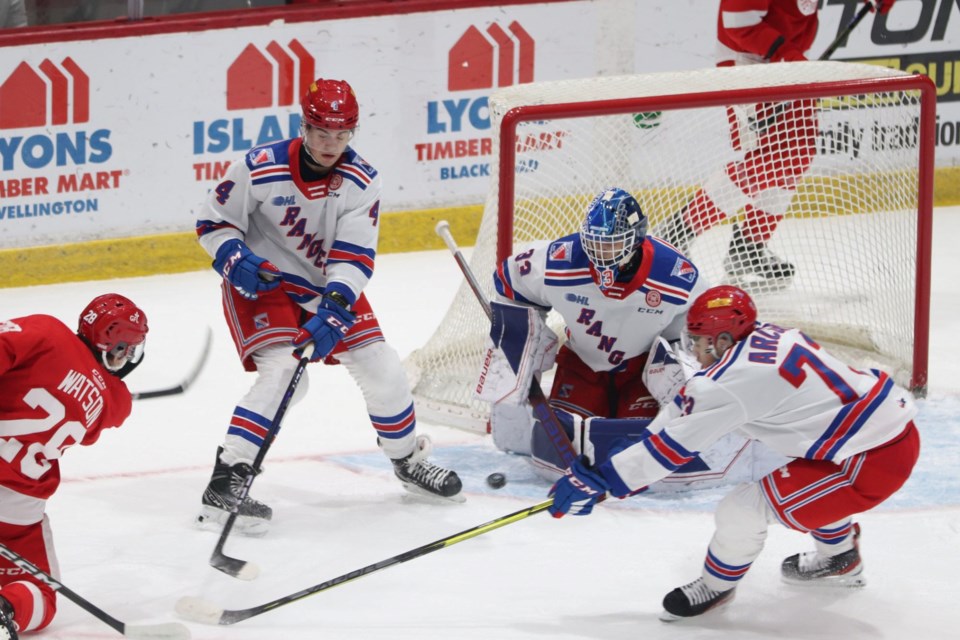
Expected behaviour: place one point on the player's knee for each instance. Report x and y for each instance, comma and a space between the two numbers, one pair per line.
378, 372
374, 365
275, 367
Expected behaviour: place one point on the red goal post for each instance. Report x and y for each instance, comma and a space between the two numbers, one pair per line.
857, 220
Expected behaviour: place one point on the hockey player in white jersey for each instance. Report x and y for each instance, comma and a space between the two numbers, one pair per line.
616, 289
850, 435
293, 230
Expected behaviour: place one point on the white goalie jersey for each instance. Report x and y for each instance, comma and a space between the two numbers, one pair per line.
604, 327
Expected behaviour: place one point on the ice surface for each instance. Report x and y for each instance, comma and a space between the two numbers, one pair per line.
122, 519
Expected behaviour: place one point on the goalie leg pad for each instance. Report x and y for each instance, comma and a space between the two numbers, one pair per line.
601, 438
520, 345
595, 438
511, 427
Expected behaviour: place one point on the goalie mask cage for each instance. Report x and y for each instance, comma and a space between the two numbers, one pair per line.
857, 220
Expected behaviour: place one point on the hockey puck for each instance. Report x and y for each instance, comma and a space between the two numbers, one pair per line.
496, 480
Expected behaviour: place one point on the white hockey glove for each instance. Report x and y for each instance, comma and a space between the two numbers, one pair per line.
668, 368
520, 345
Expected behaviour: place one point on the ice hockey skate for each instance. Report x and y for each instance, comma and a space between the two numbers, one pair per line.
221, 496
812, 569
8, 629
751, 264
693, 599
425, 478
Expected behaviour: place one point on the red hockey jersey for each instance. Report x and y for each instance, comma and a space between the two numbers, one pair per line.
765, 30
53, 394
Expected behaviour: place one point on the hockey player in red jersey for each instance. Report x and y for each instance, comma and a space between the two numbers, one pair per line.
777, 141
60, 388
850, 435
293, 230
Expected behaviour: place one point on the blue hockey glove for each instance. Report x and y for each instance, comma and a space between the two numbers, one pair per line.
327, 328
577, 491
247, 272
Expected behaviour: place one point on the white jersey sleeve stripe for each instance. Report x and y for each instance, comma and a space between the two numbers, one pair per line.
668, 452
741, 19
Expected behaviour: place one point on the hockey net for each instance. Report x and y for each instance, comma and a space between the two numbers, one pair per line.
857, 228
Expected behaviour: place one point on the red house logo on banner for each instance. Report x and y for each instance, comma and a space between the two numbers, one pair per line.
49, 95
277, 77
495, 58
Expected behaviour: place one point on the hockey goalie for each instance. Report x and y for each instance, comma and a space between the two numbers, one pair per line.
623, 297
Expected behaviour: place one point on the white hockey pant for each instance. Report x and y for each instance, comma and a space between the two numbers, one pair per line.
376, 368
275, 367
742, 518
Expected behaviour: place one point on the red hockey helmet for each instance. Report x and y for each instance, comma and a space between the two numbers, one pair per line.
330, 104
722, 310
113, 326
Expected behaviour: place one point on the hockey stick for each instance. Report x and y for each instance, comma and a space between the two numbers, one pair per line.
186, 382
846, 31
218, 559
200, 610
538, 400
167, 630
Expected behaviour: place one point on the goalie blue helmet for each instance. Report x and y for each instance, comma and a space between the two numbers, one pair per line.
612, 232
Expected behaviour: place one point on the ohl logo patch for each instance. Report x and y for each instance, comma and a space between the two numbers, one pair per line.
495, 58
275, 77
48, 95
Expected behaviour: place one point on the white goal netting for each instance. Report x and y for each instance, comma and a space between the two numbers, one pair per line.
821, 160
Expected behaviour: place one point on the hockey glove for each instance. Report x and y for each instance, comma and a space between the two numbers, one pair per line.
883, 6
577, 491
787, 54
327, 328
247, 272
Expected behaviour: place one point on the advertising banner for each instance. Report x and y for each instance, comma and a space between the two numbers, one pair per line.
125, 136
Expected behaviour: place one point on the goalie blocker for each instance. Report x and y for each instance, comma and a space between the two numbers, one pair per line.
521, 346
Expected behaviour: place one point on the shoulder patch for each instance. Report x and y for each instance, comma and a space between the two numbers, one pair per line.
262, 155
561, 250
684, 270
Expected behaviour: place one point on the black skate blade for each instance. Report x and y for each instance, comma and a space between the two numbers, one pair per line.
457, 498
856, 581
